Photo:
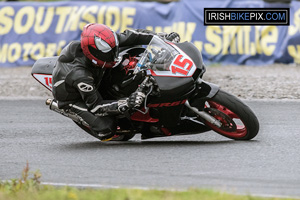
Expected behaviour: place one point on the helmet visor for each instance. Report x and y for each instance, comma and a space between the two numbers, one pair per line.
102, 45
107, 57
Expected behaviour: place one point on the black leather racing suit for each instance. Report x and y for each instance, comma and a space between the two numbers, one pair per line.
76, 81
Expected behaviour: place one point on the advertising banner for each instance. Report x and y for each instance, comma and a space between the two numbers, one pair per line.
31, 30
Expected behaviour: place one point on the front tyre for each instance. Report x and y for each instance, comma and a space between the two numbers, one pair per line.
238, 120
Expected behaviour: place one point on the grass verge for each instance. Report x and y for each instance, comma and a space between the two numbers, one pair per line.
28, 187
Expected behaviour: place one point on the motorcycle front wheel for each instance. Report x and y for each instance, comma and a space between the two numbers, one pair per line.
238, 121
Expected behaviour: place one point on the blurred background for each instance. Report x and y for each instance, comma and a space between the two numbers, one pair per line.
257, 61
30, 30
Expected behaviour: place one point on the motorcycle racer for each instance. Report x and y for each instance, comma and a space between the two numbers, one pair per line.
78, 73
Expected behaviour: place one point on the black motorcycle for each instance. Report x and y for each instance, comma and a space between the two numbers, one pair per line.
176, 100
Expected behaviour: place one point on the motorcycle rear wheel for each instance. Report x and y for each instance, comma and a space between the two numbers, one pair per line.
238, 121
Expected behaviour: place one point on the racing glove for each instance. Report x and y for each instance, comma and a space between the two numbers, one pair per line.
173, 37
136, 99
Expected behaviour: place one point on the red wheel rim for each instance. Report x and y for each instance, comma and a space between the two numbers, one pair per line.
240, 130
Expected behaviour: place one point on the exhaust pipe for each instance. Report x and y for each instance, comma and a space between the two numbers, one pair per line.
204, 115
54, 106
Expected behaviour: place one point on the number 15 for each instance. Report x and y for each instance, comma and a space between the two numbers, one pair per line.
180, 65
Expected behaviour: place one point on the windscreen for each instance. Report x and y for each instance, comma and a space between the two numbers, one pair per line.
158, 55
165, 59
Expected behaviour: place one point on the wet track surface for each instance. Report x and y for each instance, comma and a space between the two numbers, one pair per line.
267, 165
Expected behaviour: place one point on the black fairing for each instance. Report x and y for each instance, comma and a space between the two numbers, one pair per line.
173, 88
44, 65
168, 116
192, 51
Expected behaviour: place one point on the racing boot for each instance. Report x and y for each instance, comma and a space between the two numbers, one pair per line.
106, 127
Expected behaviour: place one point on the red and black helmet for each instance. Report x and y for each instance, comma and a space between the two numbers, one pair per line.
100, 44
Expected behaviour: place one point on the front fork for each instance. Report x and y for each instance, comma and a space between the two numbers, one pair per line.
205, 91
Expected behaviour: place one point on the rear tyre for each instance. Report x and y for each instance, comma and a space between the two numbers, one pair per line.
238, 120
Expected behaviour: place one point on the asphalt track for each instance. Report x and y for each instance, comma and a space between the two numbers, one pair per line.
269, 165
